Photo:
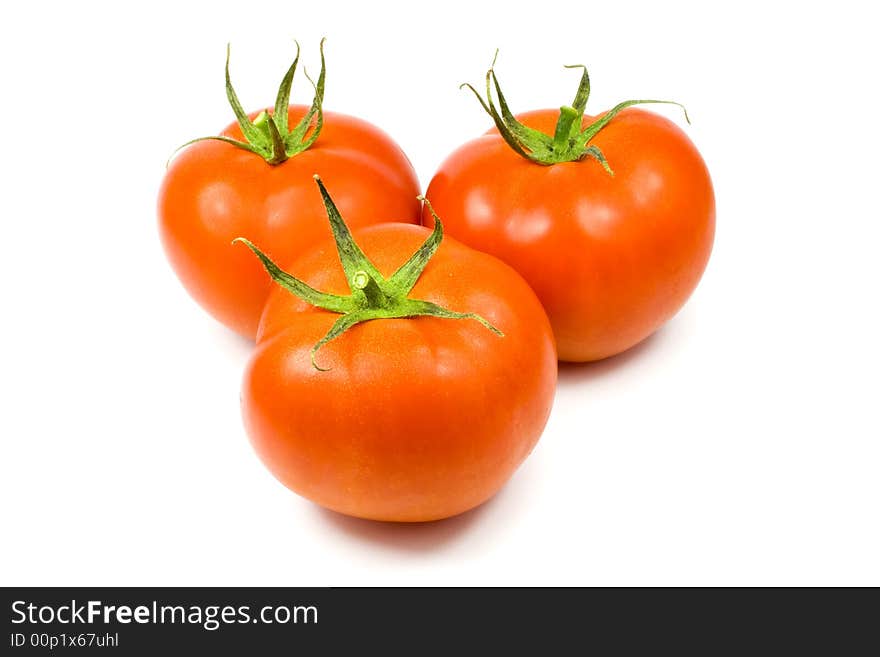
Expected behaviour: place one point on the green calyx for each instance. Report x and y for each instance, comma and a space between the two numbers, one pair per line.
372, 295
570, 141
269, 134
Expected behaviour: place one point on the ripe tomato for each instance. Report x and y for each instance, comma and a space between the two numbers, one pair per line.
612, 257
413, 418
215, 191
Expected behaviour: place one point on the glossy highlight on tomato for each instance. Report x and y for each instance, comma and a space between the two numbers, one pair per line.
404, 418
214, 192
612, 256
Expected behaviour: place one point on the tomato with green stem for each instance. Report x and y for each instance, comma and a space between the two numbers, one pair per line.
255, 179
610, 219
407, 384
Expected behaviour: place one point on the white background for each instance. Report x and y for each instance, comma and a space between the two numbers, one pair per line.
737, 446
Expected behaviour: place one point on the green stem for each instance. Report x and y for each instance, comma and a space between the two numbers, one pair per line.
270, 136
261, 121
569, 142
372, 297
567, 118
279, 150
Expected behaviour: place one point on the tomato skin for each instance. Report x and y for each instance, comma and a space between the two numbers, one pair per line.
611, 258
416, 419
214, 192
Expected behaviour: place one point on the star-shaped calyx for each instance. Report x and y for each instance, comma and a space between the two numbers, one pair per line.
372, 295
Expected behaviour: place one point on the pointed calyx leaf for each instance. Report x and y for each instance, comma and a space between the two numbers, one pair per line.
372, 295
570, 140
269, 134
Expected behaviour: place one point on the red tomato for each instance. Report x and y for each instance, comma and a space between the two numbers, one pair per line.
612, 257
415, 418
213, 192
